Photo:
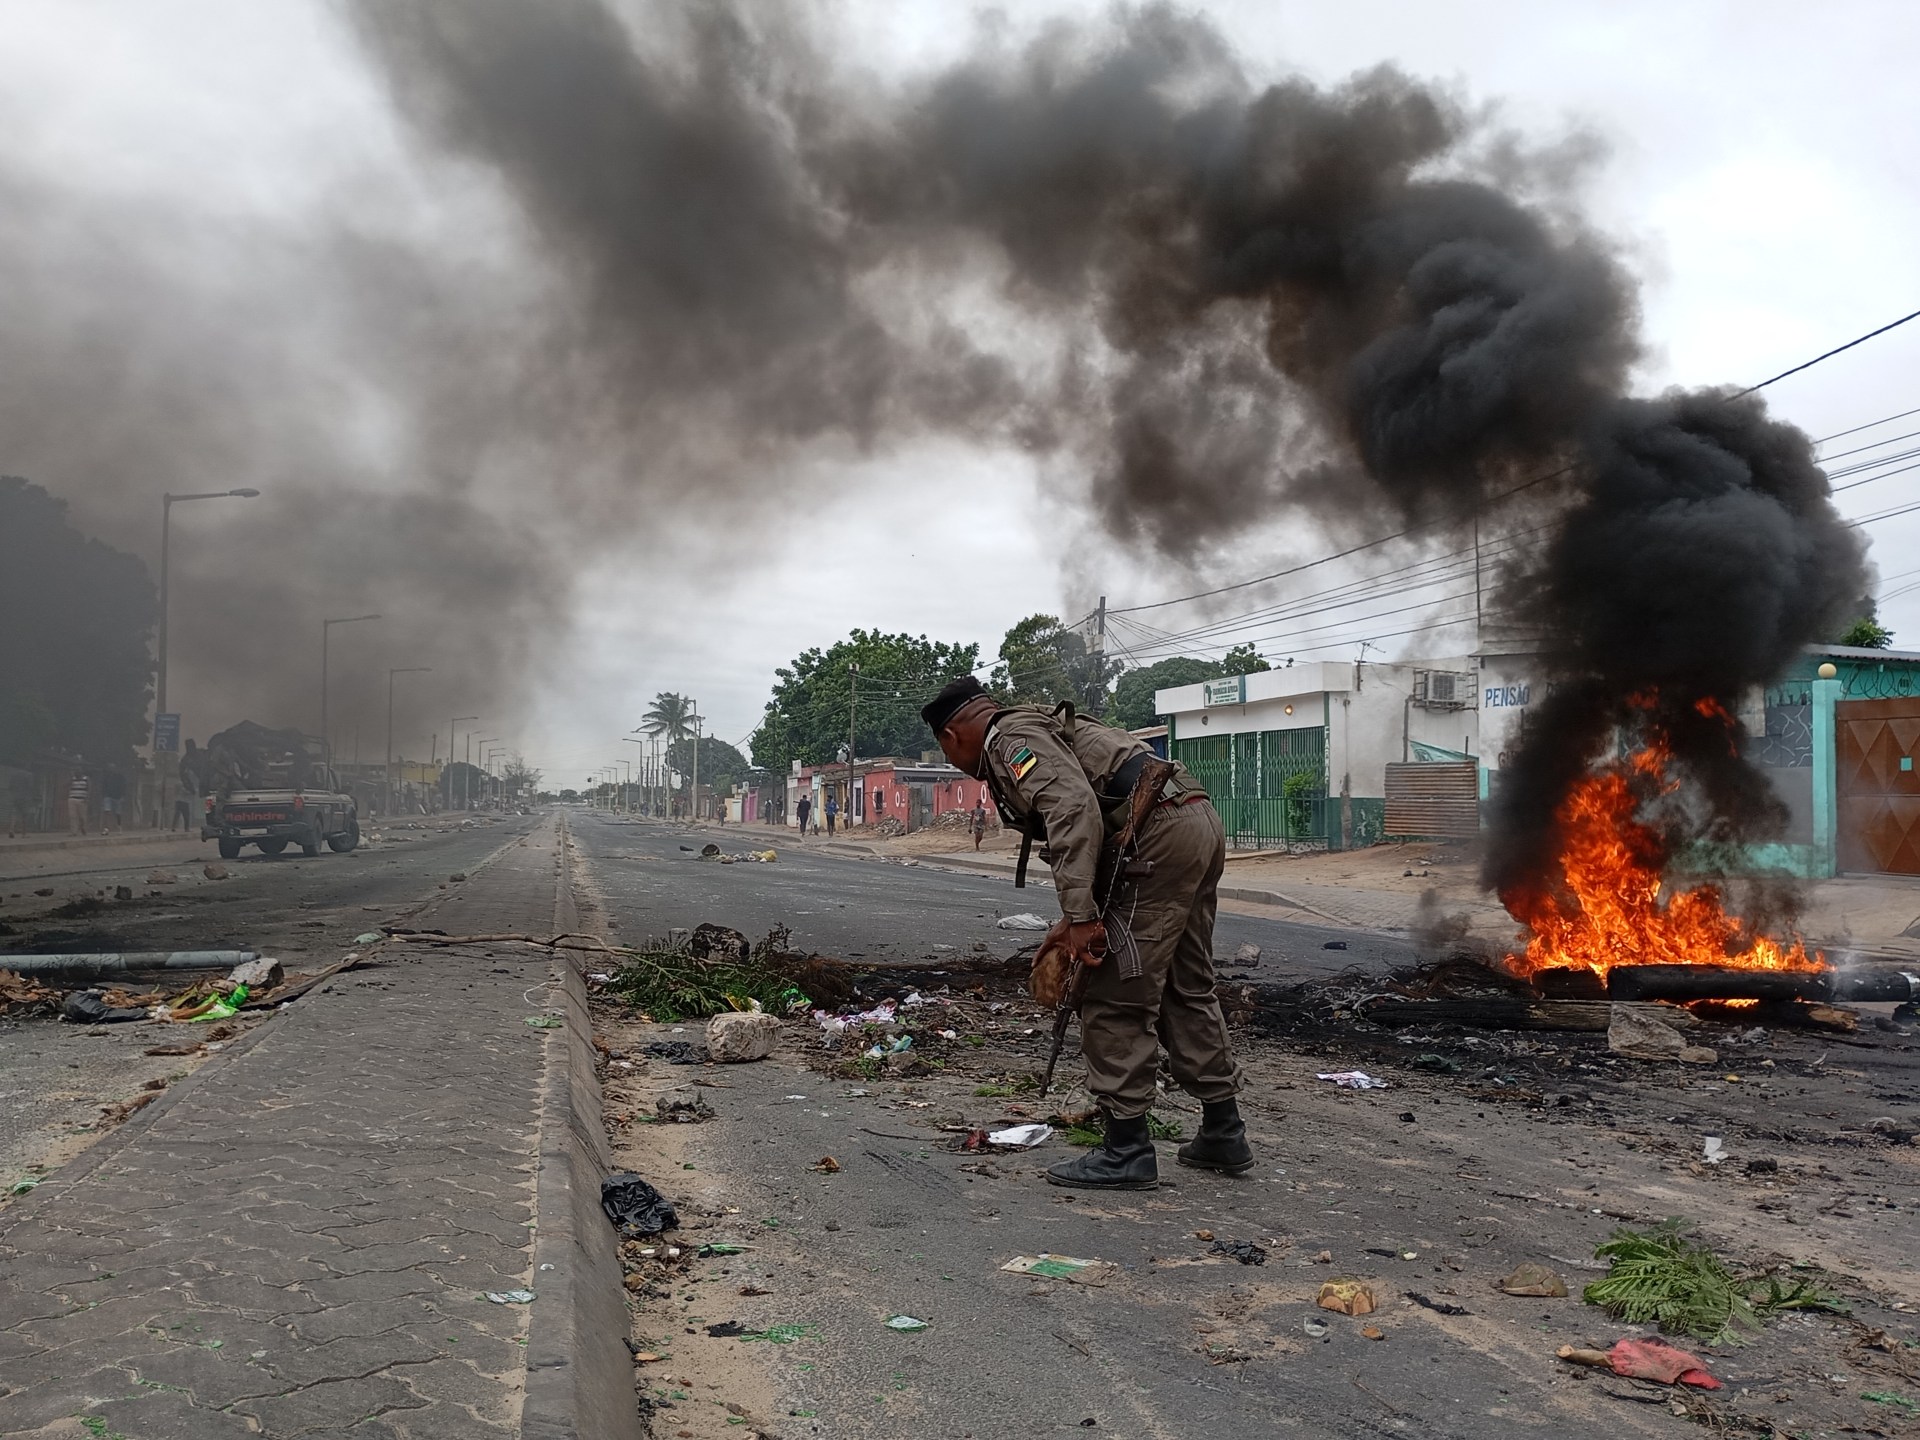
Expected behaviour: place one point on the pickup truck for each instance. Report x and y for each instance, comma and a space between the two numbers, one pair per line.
274, 819
271, 788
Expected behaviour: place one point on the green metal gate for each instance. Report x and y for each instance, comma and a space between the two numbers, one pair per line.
1270, 787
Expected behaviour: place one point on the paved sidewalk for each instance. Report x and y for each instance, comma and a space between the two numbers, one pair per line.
295, 1241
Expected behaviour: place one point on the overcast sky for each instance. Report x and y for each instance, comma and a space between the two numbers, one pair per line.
1762, 174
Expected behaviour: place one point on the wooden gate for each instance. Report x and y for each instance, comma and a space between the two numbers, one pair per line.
1875, 742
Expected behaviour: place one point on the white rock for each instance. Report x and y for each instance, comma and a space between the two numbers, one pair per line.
739, 1036
257, 975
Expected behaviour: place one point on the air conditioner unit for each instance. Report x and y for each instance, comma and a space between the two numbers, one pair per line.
1444, 689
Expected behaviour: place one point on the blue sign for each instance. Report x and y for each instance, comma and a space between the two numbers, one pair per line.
1508, 696
166, 734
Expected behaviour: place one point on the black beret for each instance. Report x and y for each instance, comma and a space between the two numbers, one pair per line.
955, 693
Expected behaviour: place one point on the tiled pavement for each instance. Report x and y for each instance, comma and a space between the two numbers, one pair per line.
296, 1242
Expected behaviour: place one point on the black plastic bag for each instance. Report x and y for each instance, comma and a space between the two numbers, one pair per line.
85, 1007
636, 1207
676, 1052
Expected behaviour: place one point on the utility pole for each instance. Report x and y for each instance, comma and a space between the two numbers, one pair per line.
452, 725
853, 700
693, 796
1099, 654
403, 670
167, 502
326, 631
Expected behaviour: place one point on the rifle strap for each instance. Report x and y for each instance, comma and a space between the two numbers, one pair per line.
1020, 867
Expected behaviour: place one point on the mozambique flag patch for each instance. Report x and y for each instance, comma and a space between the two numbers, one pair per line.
1023, 760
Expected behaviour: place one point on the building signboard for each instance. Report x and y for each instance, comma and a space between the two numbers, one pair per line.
1230, 691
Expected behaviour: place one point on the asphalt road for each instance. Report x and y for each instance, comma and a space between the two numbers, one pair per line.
873, 910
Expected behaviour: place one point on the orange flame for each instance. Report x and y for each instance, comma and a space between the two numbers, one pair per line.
1609, 905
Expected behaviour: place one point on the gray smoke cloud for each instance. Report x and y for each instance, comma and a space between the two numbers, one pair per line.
1205, 303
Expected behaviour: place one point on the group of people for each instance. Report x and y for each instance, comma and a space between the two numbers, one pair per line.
115, 802
803, 811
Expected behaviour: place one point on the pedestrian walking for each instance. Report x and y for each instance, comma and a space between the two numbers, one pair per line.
804, 809
1068, 781
186, 799
79, 791
833, 809
979, 821
113, 801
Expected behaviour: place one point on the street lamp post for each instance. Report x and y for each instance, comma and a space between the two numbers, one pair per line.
326, 632
402, 670
466, 778
647, 805
167, 502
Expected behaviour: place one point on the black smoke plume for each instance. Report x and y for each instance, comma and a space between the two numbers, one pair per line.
1222, 300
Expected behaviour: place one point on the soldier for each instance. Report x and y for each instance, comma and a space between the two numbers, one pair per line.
1067, 780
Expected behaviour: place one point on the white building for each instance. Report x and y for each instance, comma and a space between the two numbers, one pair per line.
1311, 754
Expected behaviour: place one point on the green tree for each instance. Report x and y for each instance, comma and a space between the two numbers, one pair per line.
1042, 662
720, 764
75, 618
806, 720
1243, 660
1868, 634
1133, 694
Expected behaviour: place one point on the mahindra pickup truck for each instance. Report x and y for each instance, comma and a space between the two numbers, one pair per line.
271, 788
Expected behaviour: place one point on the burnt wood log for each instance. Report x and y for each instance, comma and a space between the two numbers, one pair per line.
1499, 1012
1717, 982
1878, 983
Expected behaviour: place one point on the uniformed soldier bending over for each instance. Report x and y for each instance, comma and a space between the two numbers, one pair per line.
1067, 780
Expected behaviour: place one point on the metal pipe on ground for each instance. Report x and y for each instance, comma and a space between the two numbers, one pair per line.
113, 964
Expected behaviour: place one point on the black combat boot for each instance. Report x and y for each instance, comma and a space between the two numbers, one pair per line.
1122, 1161
1222, 1141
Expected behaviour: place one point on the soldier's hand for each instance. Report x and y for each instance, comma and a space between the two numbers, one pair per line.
1087, 941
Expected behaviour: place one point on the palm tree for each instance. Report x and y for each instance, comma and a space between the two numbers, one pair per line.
669, 717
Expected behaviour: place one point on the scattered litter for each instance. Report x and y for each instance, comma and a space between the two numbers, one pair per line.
1025, 920
1533, 1278
510, 1297
720, 1247
1334, 945
881, 1014
1372, 1332
682, 1107
636, 1207
1435, 1064
371, 937
1063, 1267
85, 1007
676, 1052
905, 1322
1316, 1329
545, 1022
1353, 1080
1645, 1360
1346, 1297
24, 1184
826, 1165
1439, 1307
1020, 1137
1715, 1150
727, 1330
215, 1007
1245, 1251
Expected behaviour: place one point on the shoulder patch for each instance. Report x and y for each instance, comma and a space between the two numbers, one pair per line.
1021, 761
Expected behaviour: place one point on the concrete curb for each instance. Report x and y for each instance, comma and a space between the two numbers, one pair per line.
29, 844
579, 1373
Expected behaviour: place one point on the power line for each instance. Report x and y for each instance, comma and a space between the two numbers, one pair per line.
1883, 420
1838, 349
